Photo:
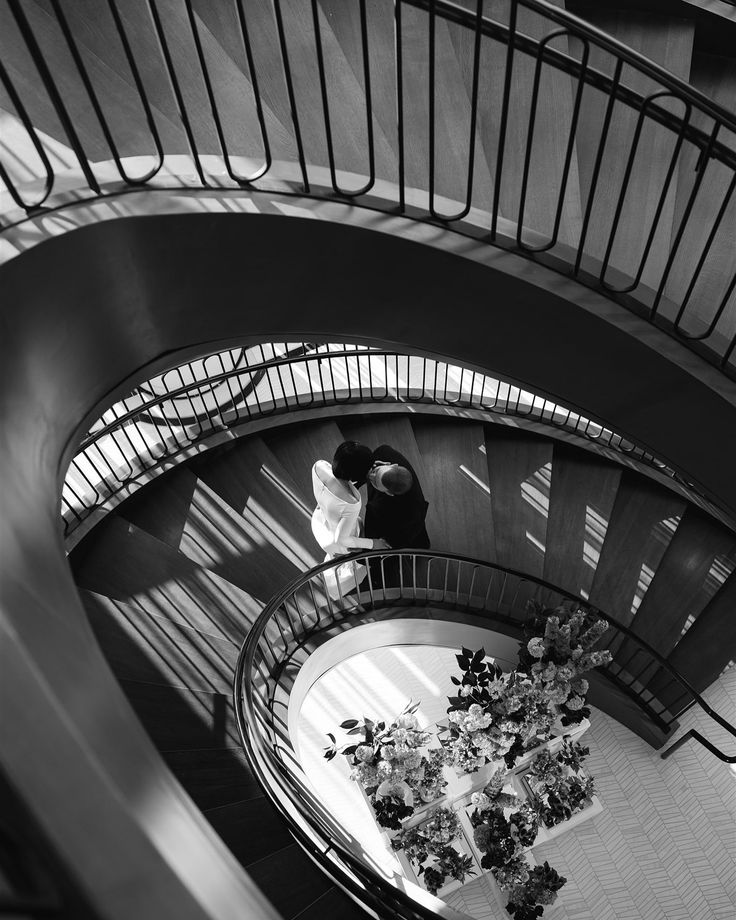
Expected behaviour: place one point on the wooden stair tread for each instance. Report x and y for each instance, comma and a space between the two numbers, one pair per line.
519, 470
127, 564
456, 487
709, 645
298, 448
685, 580
667, 41
177, 719
333, 903
214, 776
161, 508
154, 649
236, 823
642, 523
581, 500
306, 883
247, 523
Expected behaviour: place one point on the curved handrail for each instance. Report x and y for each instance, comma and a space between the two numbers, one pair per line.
142, 431
288, 621
632, 280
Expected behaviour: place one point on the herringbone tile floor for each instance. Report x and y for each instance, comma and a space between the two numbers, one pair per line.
664, 847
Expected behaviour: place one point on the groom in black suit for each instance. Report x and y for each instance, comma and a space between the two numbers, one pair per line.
396, 508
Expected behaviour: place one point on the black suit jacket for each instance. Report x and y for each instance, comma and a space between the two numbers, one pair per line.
399, 519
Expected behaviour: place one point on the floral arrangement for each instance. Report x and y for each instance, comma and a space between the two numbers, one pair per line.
431, 840
494, 715
558, 789
558, 648
528, 899
389, 764
503, 839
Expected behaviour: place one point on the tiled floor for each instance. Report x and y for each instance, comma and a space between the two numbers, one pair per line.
664, 847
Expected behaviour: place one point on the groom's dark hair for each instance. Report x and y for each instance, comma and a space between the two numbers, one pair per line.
352, 461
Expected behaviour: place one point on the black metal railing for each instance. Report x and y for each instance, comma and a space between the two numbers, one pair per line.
179, 411
389, 138
314, 607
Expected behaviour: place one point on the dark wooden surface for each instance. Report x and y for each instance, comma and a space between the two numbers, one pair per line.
519, 470
643, 520
581, 498
457, 487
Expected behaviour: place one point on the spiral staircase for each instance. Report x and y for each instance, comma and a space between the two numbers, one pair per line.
358, 155
174, 578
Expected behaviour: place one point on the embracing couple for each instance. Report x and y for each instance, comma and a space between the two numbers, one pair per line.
392, 518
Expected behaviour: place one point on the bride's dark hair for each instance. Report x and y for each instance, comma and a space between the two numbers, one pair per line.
352, 461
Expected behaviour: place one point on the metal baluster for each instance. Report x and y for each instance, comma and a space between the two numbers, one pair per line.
663, 195
696, 274
21, 113
290, 92
176, 89
400, 104
701, 168
54, 95
504, 117
598, 161
570, 142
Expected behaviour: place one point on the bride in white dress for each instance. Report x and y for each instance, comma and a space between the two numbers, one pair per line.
336, 525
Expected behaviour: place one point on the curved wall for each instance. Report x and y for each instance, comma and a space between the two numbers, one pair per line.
92, 308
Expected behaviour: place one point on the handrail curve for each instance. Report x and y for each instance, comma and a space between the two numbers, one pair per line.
158, 423
287, 623
643, 281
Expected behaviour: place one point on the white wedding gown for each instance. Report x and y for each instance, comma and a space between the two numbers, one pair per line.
336, 528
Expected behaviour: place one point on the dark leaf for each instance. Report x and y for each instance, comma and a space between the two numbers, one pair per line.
455, 681
463, 662
350, 750
356, 731
331, 737
467, 652
349, 723
479, 656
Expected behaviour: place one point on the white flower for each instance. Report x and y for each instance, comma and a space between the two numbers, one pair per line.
465, 690
408, 720
384, 769
535, 647
575, 703
364, 753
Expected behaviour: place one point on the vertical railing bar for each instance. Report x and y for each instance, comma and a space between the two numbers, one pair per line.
661, 202
598, 163
92, 95
40, 149
701, 169
135, 73
701, 261
504, 117
323, 94
54, 95
256, 91
620, 201
529, 144
431, 90
400, 104
176, 89
290, 92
